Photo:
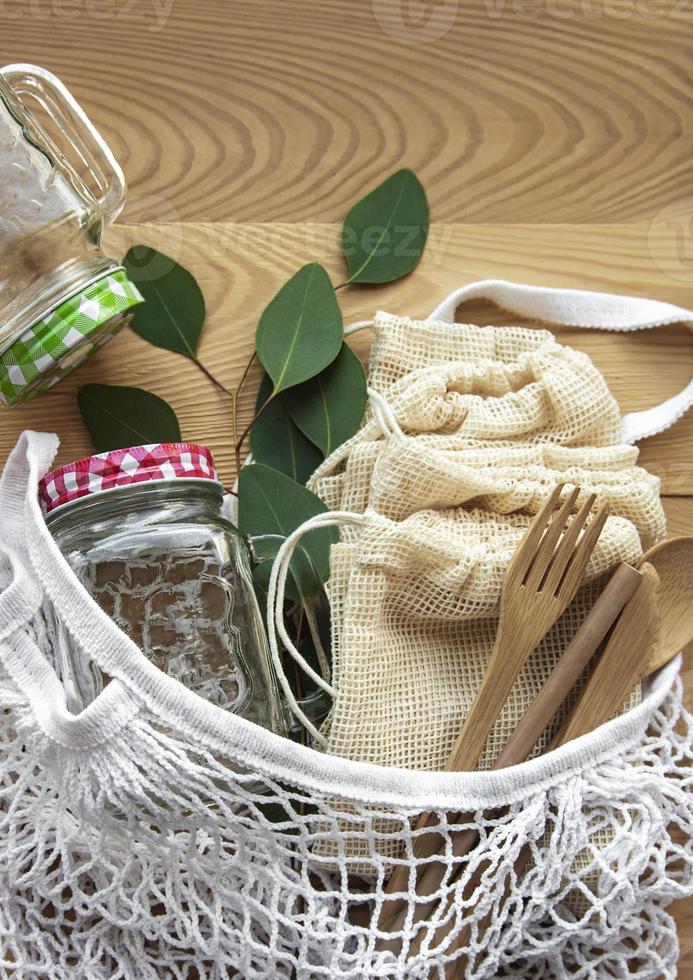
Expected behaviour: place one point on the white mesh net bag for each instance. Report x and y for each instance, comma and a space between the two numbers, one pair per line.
135, 842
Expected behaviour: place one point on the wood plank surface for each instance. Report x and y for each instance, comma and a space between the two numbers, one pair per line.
275, 110
554, 138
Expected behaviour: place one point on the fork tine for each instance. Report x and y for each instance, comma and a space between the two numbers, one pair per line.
524, 553
576, 568
565, 550
547, 546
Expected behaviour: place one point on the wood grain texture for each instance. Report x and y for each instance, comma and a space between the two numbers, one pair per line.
510, 110
554, 139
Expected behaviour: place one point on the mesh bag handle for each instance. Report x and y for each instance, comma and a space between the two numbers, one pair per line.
591, 311
38, 569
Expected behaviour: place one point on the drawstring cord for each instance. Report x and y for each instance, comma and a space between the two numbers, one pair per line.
382, 410
384, 416
386, 421
275, 613
359, 325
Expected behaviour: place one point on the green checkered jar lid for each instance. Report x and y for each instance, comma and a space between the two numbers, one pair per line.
62, 340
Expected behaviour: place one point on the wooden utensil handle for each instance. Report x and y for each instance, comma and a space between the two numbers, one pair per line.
621, 586
617, 670
499, 677
622, 663
467, 749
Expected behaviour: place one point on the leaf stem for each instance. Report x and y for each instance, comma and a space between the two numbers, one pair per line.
234, 410
239, 443
212, 378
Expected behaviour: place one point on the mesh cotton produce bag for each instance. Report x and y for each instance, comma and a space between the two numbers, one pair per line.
471, 428
134, 842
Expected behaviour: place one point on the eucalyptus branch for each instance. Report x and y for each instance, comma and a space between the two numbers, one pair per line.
234, 410
244, 435
246, 371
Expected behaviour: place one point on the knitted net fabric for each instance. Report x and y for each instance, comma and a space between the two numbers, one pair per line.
145, 855
490, 383
484, 421
172, 840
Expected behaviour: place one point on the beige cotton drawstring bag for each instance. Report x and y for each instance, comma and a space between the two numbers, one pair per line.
470, 428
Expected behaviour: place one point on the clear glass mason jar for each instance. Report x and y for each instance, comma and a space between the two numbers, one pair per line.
61, 298
144, 531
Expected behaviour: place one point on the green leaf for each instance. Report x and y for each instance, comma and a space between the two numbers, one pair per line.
174, 312
301, 329
384, 235
329, 409
269, 503
120, 417
275, 440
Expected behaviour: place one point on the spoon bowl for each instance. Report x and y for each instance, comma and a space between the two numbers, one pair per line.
673, 562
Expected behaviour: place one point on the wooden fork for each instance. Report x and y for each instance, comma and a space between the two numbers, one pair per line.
540, 582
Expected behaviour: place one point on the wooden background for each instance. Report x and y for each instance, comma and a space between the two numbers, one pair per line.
554, 138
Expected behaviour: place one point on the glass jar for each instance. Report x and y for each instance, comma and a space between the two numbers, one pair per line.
144, 531
61, 298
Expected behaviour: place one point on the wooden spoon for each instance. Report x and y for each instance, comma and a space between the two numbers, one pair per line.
673, 562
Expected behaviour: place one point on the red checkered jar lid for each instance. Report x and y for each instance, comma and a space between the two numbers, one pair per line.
123, 468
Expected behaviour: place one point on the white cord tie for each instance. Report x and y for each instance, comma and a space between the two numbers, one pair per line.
275, 613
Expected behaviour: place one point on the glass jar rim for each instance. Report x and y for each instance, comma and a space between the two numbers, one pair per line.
98, 495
